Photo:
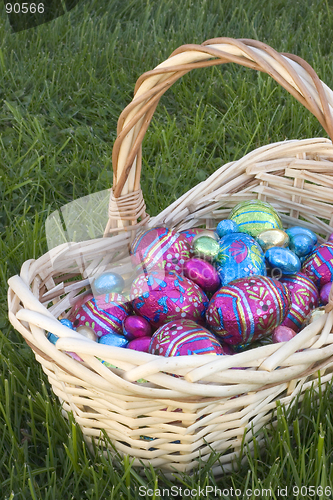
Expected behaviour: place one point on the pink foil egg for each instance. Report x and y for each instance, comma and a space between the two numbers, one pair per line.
282, 334
318, 266
184, 337
324, 293
140, 344
203, 274
160, 297
104, 314
304, 297
136, 327
248, 309
160, 247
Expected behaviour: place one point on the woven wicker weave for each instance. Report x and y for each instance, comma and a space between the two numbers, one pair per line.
167, 420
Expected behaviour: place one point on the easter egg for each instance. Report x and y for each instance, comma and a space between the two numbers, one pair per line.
301, 244
140, 344
183, 338
330, 238
283, 260
210, 233
136, 327
324, 293
226, 226
160, 247
103, 314
87, 332
282, 334
247, 309
67, 322
190, 234
160, 297
239, 256
205, 247
108, 283
318, 266
296, 230
272, 238
255, 216
113, 340
203, 274
304, 297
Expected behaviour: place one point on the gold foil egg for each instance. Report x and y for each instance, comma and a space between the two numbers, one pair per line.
87, 332
273, 238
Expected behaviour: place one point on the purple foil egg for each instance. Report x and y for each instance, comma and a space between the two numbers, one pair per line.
184, 337
282, 334
248, 309
324, 293
160, 297
304, 297
330, 238
203, 274
104, 314
135, 327
140, 344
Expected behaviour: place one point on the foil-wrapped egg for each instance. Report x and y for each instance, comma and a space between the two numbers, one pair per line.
272, 238
160, 247
183, 338
239, 255
136, 327
203, 274
103, 314
318, 266
248, 309
160, 297
282, 334
304, 297
255, 216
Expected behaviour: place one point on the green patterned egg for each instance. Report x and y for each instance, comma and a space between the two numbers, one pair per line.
255, 216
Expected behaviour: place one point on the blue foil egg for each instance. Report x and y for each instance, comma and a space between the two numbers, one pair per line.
108, 283
113, 340
301, 244
52, 338
283, 259
67, 322
296, 230
239, 256
226, 226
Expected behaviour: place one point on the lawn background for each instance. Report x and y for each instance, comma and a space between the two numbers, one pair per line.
63, 86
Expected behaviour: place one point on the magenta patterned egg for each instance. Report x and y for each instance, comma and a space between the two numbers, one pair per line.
203, 274
318, 266
104, 314
248, 309
160, 247
304, 297
184, 337
160, 297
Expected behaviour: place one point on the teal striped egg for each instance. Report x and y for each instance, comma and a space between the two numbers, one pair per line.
255, 216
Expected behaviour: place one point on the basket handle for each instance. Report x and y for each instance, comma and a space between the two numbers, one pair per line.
290, 71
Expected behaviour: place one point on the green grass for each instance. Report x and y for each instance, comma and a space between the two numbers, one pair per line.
63, 86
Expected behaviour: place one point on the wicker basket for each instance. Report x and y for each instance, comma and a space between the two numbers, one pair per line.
170, 421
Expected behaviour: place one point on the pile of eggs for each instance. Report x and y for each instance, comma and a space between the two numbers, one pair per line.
210, 291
